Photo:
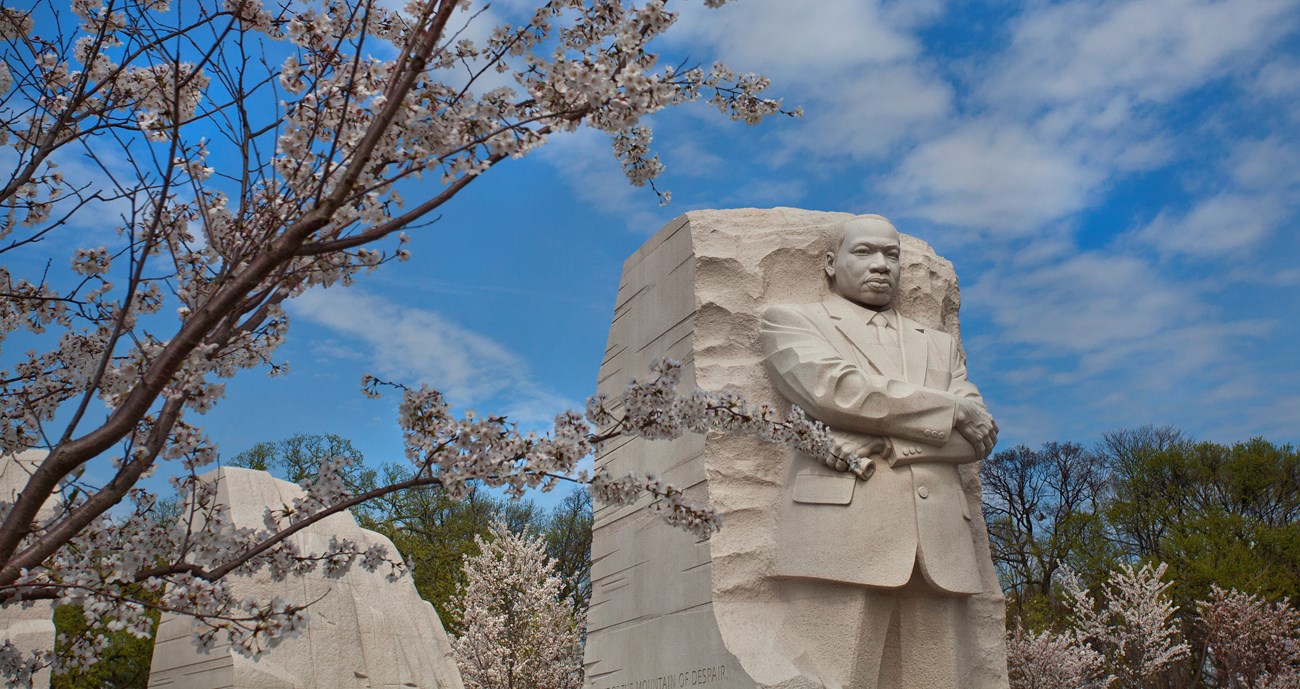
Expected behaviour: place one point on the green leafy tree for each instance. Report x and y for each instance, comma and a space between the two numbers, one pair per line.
1139, 506
122, 658
434, 533
430, 529
122, 662
1217, 514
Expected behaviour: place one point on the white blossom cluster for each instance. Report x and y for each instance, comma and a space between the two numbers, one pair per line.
1124, 637
1049, 660
1132, 623
516, 630
490, 450
1127, 638
1251, 642
240, 154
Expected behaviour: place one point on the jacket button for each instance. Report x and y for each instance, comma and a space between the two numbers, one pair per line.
923, 492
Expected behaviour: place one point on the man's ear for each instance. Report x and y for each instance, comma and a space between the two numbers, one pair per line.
830, 264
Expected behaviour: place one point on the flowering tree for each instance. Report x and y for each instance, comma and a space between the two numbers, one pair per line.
242, 154
1252, 643
1127, 637
518, 633
1053, 661
1130, 623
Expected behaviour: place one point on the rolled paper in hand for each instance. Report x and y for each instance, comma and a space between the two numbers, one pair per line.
862, 467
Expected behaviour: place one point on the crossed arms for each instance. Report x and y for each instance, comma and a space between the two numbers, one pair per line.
873, 414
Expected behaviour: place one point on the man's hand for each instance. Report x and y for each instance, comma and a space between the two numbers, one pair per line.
975, 424
846, 446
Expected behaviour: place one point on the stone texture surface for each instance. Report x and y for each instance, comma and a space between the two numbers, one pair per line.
669, 611
363, 632
30, 628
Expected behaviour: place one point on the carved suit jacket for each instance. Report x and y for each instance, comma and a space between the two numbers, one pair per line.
912, 513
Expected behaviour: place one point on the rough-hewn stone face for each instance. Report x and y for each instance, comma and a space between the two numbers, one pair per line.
30, 627
669, 611
364, 631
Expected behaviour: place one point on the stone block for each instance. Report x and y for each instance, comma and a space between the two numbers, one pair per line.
364, 631
29, 626
669, 610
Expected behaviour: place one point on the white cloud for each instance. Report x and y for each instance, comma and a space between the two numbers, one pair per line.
1279, 80
870, 112
1107, 335
992, 175
688, 156
1267, 164
854, 66
1150, 49
1074, 103
412, 345
1224, 224
788, 41
1259, 180
1087, 303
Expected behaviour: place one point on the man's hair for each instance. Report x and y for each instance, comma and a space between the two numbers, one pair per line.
838, 230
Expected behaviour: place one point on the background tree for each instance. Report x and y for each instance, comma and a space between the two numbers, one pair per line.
1253, 643
251, 154
517, 633
1139, 509
121, 662
1130, 622
1041, 507
435, 533
432, 531
1213, 516
568, 543
1225, 515
298, 459
1128, 636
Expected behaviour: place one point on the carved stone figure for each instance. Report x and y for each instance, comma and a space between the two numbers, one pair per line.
791, 595
885, 531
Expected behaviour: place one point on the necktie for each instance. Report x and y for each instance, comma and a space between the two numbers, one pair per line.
884, 332
889, 354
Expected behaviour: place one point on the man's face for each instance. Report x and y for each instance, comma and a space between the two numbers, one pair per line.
866, 267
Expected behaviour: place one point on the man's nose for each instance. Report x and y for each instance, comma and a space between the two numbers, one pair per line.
879, 264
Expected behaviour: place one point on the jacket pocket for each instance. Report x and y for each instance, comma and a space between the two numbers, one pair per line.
824, 489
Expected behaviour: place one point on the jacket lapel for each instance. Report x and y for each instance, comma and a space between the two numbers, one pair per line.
850, 320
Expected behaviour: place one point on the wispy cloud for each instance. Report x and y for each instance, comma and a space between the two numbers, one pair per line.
1075, 102
413, 345
585, 160
993, 175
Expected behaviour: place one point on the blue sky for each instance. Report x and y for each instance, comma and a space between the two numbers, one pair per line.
1117, 183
